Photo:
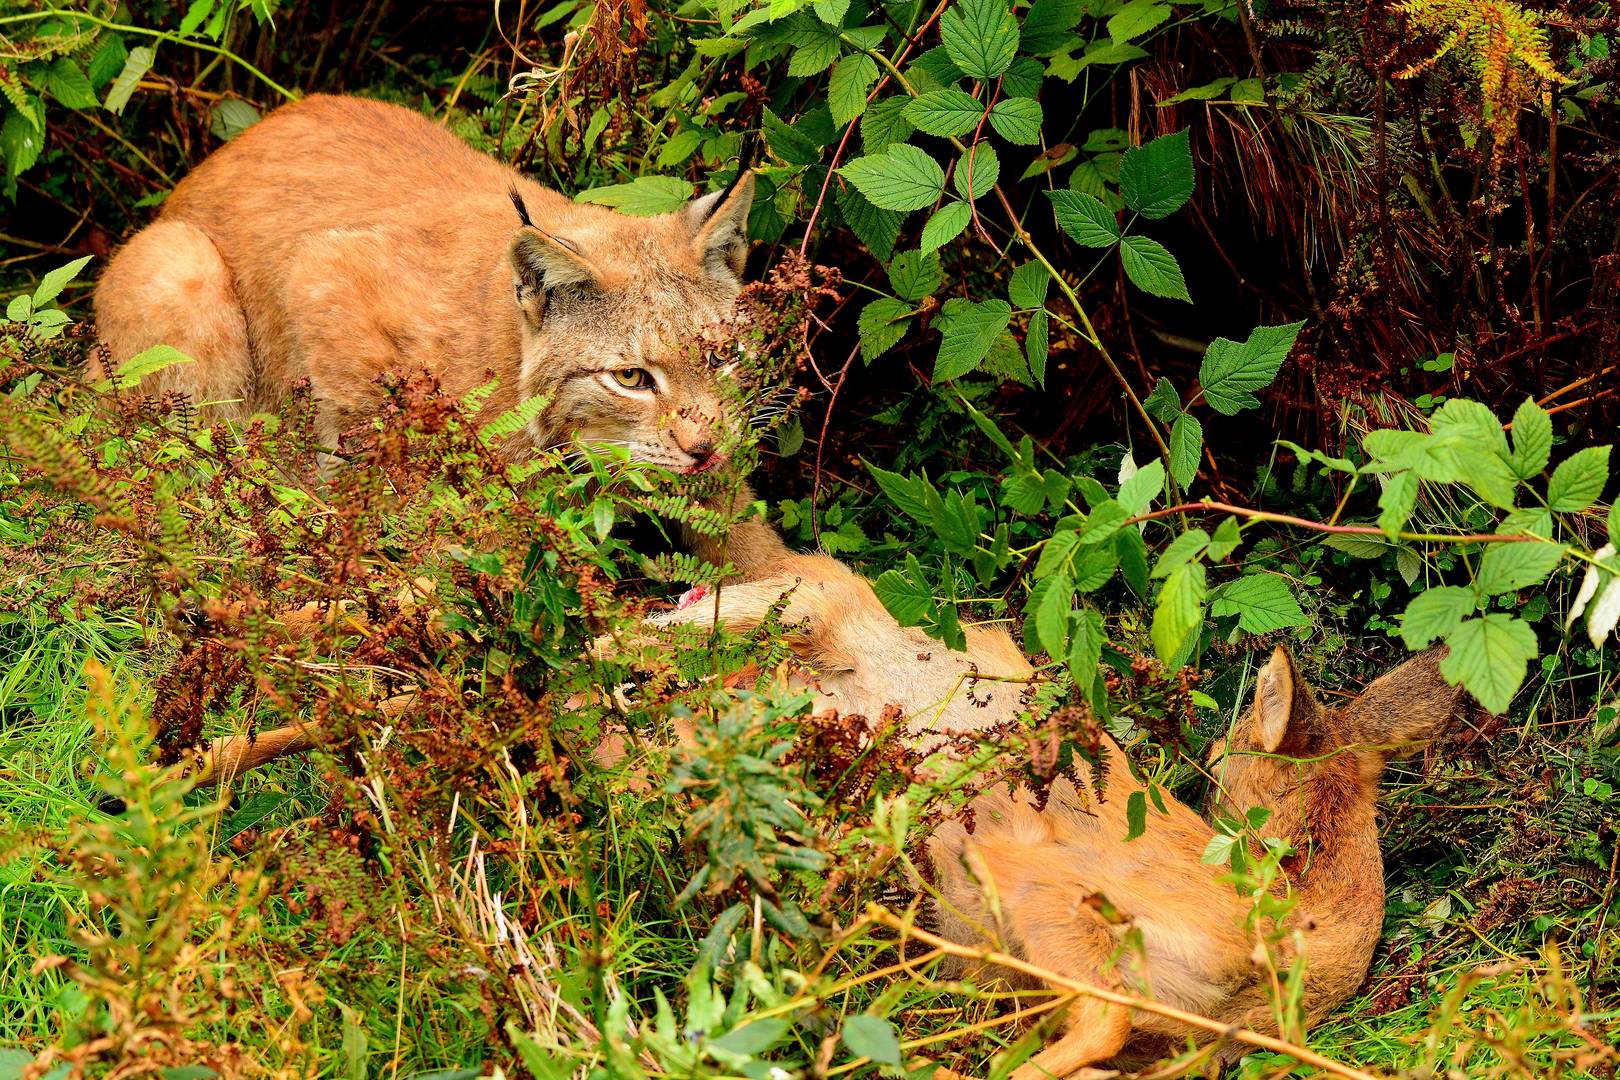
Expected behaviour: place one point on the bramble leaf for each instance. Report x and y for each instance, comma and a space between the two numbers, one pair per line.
1085, 218
1233, 370
1156, 178
1153, 268
904, 178
1488, 657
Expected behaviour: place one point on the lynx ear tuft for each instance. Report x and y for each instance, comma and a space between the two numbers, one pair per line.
542, 263
719, 224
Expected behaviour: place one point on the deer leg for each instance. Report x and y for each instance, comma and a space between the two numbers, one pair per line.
1094, 1031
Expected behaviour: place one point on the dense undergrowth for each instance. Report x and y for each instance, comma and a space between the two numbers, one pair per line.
1165, 332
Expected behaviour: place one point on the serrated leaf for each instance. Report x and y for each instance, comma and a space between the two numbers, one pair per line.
69, 85
980, 37
1179, 610
915, 274
1135, 814
1085, 218
945, 112
21, 140
946, 225
1262, 602
1047, 24
872, 1037
1153, 268
644, 196
1186, 449
1226, 540
230, 117
54, 281
884, 124
904, 178
1156, 179
1488, 658
977, 171
1018, 120
788, 143
1434, 614
908, 601
1532, 440
145, 363
1163, 404
847, 87
817, 47
1086, 638
878, 229
1056, 553
832, 12
1508, 567
1232, 371
969, 331
135, 69
909, 493
1143, 486
1579, 479
1136, 18
1052, 616
1179, 550
107, 61
1035, 346
1472, 423
1028, 286
1395, 502
882, 324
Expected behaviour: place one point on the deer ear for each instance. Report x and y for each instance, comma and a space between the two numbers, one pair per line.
1407, 707
719, 225
542, 264
1287, 717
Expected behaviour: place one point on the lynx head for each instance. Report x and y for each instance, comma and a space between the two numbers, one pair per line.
612, 313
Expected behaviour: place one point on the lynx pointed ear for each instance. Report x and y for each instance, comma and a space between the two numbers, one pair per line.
1286, 713
543, 263
1405, 708
719, 224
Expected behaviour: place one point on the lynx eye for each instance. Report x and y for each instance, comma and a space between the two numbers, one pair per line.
633, 378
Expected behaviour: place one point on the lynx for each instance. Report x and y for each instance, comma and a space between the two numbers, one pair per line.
340, 238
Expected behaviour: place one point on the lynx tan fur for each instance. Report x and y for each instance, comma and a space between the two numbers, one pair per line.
340, 238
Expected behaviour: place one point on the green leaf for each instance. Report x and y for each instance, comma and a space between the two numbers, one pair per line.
884, 124
883, 323
1085, 646
980, 37
1262, 602
145, 363
1028, 286
1052, 615
915, 274
851, 78
1508, 567
1179, 550
69, 85
1179, 610
980, 168
1396, 501
1232, 371
232, 117
904, 178
873, 1037
1152, 268
1018, 120
21, 140
1047, 25
644, 196
1135, 814
1488, 657
1056, 553
107, 61
908, 601
753, 1038
946, 225
1157, 179
1023, 78
1137, 18
1578, 481
51, 285
817, 47
1035, 346
1226, 540
1532, 440
878, 229
1085, 218
1186, 449
1472, 424
1435, 614
135, 69
832, 12
1164, 404
909, 493
1137, 493
945, 112
1203, 92
970, 328
788, 143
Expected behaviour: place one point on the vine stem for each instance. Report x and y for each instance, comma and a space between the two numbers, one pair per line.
906, 929
160, 35
1342, 530
1021, 234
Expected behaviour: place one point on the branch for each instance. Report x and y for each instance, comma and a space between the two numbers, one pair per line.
1343, 530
